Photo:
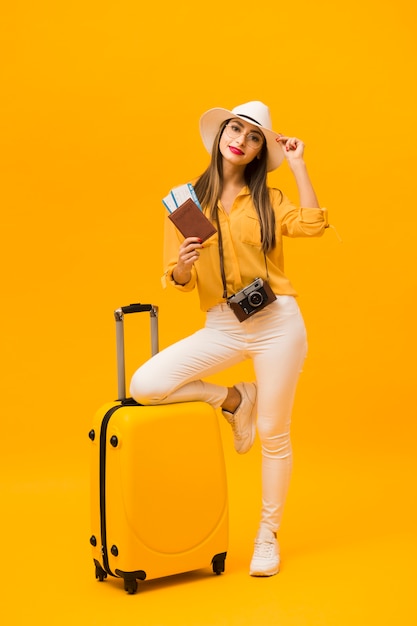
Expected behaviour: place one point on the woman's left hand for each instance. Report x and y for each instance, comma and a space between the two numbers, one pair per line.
292, 147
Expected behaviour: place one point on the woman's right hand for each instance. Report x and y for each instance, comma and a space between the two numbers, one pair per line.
188, 254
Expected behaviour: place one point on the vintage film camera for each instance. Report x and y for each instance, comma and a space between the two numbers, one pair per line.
251, 299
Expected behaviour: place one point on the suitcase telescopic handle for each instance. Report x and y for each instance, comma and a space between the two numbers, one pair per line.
120, 339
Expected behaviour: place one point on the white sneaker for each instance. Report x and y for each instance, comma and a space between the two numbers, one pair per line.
265, 560
243, 420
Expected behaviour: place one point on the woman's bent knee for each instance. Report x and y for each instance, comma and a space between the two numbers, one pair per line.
146, 392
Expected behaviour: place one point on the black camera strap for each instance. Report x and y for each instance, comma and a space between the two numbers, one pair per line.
220, 240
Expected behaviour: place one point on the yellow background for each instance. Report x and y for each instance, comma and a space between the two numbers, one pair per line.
99, 119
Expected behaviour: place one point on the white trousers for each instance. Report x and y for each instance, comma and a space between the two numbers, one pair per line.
275, 340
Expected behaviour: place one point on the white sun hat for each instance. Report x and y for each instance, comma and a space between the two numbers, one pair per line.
256, 113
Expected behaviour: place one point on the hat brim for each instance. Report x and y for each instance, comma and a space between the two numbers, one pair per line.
211, 121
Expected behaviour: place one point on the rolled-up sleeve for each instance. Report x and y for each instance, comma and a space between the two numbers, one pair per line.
304, 222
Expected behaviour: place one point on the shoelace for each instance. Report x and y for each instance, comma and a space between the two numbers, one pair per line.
264, 549
230, 417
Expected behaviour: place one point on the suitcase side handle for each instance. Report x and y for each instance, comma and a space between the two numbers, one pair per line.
120, 341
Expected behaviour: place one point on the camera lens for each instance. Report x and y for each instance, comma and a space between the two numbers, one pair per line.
255, 298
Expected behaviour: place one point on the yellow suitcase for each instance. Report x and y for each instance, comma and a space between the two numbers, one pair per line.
158, 484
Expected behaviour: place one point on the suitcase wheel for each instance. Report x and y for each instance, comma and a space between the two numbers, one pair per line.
131, 586
130, 579
218, 563
100, 573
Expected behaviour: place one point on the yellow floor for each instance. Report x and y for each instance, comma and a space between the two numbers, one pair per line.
348, 549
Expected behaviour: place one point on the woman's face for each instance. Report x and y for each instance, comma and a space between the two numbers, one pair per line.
240, 142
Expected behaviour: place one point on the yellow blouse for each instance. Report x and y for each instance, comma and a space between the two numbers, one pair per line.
243, 257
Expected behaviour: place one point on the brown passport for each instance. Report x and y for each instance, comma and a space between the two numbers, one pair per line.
191, 222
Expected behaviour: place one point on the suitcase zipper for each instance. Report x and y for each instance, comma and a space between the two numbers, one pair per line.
103, 452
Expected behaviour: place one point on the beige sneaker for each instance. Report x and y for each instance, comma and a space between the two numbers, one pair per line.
243, 420
265, 560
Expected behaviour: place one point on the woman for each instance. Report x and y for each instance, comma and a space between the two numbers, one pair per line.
251, 220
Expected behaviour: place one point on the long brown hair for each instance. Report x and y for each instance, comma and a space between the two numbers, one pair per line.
209, 188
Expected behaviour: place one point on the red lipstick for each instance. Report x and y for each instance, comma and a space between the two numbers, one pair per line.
235, 150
